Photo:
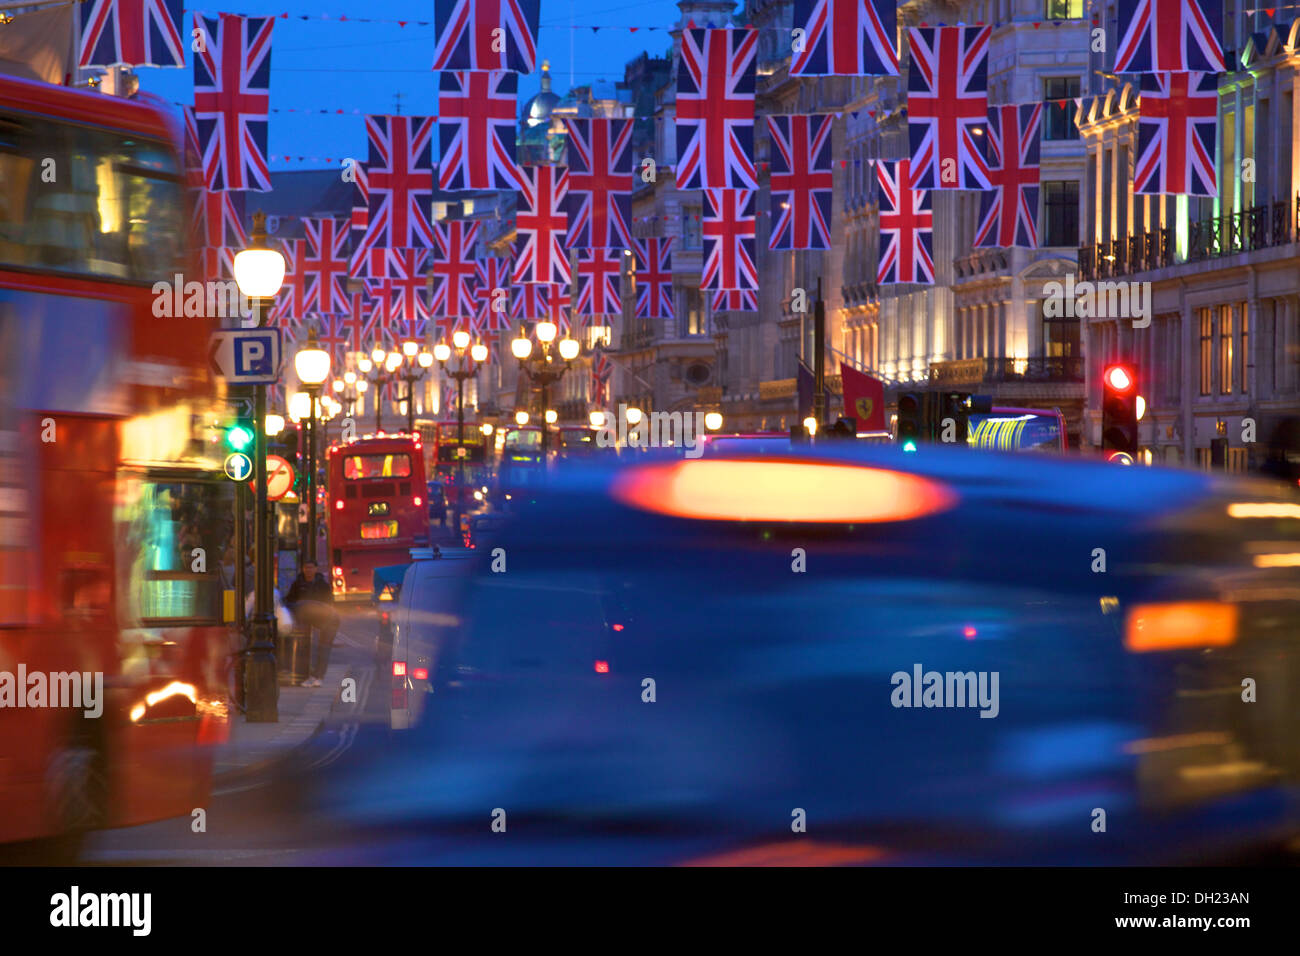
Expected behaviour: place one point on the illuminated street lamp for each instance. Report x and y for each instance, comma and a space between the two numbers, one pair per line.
521, 418
312, 363
713, 421
259, 272
542, 369
466, 367
597, 419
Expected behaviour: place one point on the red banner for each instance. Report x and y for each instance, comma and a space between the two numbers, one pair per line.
864, 399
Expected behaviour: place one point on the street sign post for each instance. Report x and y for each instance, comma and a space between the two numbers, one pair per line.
246, 356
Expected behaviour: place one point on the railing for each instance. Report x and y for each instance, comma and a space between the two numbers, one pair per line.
1259, 227
979, 371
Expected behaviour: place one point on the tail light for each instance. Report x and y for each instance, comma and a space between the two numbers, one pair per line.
338, 572
421, 673
602, 667
618, 627
418, 501
399, 668
1180, 625
383, 616
338, 505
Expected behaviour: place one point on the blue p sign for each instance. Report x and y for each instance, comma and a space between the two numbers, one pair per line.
252, 357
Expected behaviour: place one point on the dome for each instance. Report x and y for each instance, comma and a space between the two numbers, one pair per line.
538, 110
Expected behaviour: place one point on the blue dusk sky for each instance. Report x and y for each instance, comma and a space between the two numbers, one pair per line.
361, 67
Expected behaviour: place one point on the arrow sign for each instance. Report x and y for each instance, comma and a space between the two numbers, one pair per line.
240, 406
238, 466
246, 356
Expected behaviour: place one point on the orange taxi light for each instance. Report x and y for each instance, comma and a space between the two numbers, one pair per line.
1168, 627
725, 490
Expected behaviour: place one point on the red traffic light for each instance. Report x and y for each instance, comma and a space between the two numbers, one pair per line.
1120, 378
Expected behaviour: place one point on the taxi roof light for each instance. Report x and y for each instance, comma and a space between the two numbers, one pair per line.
1180, 625
780, 490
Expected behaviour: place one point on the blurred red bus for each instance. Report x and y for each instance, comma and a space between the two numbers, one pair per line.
376, 507
114, 514
471, 474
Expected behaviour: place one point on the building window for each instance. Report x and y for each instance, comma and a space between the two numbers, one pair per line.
1225, 350
1061, 338
1058, 119
1064, 10
1061, 213
1245, 345
691, 238
1207, 351
693, 312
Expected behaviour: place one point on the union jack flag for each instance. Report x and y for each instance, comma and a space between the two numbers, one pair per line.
846, 38
476, 129
326, 265
291, 305
131, 33
559, 300
602, 369
362, 261
1178, 124
216, 229
800, 182
364, 321
399, 183
454, 269
1008, 215
654, 279
906, 227
541, 223
490, 275
728, 228
335, 338
232, 96
467, 37
600, 183
947, 100
735, 300
1169, 36
715, 110
403, 288
530, 301
599, 282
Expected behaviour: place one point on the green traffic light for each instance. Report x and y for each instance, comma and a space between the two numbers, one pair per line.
909, 445
239, 437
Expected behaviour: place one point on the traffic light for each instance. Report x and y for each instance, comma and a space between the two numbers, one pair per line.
955, 406
239, 436
1119, 414
910, 413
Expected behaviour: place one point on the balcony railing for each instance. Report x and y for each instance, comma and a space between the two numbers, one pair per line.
990, 371
1259, 227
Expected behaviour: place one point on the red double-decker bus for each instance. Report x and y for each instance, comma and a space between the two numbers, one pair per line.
114, 514
376, 507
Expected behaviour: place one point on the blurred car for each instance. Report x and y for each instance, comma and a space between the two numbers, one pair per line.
483, 528
949, 656
422, 618
437, 498
387, 590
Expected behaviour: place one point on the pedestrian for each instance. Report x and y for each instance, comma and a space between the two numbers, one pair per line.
311, 599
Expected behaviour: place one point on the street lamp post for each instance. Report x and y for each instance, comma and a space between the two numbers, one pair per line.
313, 367
418, 363
259, 272
542, 369
385, 365
478, 354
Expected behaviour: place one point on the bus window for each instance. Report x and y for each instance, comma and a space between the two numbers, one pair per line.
114, 208
172, 535
376, 466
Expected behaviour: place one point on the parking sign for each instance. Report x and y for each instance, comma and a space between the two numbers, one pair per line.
246, 356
